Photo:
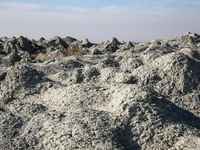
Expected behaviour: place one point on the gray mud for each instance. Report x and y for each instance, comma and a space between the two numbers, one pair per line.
117, 95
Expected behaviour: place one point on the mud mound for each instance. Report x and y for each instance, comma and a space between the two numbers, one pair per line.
115, 95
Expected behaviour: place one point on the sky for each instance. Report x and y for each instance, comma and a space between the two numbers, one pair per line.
99, 20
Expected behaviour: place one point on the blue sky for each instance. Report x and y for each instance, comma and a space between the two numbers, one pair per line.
128, 20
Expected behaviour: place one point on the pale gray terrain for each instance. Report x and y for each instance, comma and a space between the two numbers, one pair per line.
116, 96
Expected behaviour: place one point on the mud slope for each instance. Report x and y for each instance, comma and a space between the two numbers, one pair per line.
63, 94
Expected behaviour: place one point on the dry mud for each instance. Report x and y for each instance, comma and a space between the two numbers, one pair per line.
113, 96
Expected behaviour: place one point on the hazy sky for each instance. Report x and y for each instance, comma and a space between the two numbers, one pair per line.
99, 20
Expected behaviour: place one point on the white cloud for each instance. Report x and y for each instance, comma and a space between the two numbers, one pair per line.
194, 3
21, 6
40, 8
138, 9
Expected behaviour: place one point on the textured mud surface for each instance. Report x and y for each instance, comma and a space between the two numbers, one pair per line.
114, 95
